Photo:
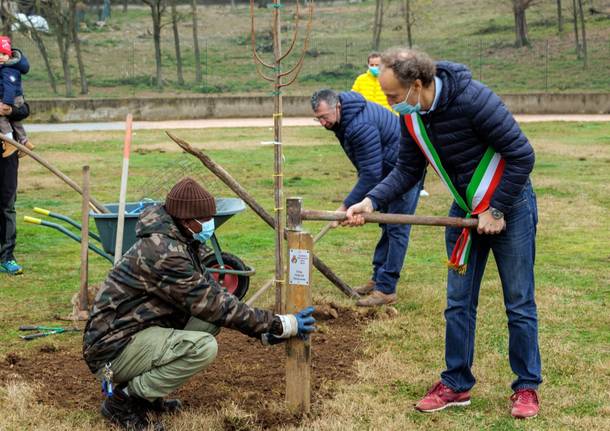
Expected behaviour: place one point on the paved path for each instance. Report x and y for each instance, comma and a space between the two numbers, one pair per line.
250, 122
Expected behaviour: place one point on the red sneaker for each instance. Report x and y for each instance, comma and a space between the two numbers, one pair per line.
441, 397
525, 404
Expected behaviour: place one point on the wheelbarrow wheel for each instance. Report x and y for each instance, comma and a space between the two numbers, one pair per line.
235, 284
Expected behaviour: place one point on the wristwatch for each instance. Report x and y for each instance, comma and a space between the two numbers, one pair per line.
496, 213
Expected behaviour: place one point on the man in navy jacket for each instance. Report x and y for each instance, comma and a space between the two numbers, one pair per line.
370, 135
463, 121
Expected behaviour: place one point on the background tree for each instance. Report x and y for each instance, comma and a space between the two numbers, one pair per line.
519, 8
581, 15
198, 74
559, 17
175, 20
74, 24
58, 14
157, 9
377, 24
409, 21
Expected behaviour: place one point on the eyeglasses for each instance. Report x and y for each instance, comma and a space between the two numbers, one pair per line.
324, 117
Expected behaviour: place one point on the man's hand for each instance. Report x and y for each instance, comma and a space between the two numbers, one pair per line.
335, 223
300, 324
488, 225
354, 213
5, 109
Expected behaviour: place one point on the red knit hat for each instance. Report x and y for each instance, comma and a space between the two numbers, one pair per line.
5, 45
187, 200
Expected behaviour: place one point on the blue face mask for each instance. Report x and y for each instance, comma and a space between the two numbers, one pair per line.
374, 71
403, 108
207, 230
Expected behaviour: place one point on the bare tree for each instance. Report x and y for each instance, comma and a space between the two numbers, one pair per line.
576, 32
7, 17
175, 21
377, 24
583, 32
157, 9
32, 33
198, 74
409, 21
559, 17
84, 86
58, 14
519, 8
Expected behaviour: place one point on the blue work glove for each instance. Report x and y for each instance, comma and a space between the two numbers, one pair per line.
305, 322
300, 324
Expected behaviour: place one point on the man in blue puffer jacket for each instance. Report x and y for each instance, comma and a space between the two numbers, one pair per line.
370, 136
472, 141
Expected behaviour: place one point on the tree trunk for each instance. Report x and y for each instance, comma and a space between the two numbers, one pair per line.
559, 17
156, 18
124, 5
408, 22
45, 56
198, 74
584, 33
84, 87
377, 25
177, 44
62, 34
520, 24
6, 16
576, 35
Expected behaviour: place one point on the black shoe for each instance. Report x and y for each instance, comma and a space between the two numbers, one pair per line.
160, 405
127, 412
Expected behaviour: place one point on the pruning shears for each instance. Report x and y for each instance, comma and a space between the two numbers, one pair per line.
44, 331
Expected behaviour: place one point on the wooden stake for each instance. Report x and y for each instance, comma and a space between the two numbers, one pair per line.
226, 178
83, 302
118, 245
95, 205
298, 296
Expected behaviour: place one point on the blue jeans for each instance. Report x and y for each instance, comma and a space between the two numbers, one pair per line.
514, 250
391, 249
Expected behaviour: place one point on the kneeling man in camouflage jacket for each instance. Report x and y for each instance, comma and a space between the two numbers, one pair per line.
154, 319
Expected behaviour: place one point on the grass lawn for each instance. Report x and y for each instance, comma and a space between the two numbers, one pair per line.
401, 357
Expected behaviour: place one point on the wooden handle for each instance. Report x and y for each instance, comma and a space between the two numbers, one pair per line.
392, 218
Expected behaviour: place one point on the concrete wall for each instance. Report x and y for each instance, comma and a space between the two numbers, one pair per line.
193, 107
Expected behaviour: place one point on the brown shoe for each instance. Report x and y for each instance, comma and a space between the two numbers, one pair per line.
366, 289
8, 149
377, 298
29, 146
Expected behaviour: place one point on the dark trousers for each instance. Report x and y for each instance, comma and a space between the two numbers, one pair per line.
392, 247
8, 216
514, 250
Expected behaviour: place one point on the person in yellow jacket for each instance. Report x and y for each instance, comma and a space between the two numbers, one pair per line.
367, 84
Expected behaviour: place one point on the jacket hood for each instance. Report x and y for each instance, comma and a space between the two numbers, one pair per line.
456, 77
19, 62
155, 219
352, 104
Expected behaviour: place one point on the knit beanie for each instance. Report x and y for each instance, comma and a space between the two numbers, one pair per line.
187, 200
5, 45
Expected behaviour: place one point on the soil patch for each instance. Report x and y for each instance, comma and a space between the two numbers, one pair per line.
245, 373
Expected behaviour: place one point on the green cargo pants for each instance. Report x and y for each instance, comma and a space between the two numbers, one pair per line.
159, 360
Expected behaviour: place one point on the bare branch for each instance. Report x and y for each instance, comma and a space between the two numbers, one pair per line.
257, 58
296, 32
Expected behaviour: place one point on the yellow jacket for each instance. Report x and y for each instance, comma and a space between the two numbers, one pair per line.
368, 85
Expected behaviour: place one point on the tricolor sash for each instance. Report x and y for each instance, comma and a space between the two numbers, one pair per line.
482, 185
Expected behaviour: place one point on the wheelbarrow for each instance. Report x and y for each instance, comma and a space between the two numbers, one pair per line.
226, 268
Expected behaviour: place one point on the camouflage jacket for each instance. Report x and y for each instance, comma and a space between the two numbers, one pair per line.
159, 281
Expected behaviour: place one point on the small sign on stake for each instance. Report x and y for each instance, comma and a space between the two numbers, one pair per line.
299, 267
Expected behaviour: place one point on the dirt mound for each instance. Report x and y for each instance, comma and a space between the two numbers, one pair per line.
245, 373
